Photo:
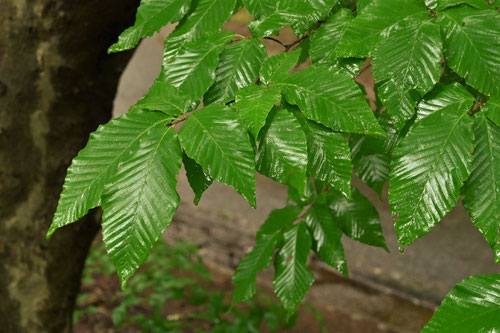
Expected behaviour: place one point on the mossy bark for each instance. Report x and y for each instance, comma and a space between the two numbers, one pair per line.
57, 85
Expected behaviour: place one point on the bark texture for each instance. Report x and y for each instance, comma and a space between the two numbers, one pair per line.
56, 86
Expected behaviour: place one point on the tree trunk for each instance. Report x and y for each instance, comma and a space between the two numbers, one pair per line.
56, 86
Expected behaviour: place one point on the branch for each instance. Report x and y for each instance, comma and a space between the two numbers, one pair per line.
287, 47
177, 121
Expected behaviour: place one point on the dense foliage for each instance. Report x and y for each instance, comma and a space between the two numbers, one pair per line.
435, 135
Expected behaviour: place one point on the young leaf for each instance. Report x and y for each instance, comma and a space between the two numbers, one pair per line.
277, 66
329, 156
482, 190
268, 237
325, 39
192, 70
471, 45
330, 98
254, 103
473, 305
282, 150
151, 16
215, 139
376, 18
327, 236
492, 109
140, 200
452, 97
358, 218
238, 67
371, 162
94, 165
204, 18
300, 15
292, 277
428, 168
165, 98
197, 178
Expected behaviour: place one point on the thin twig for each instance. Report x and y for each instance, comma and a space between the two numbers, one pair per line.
276, 41
477, 106
177, 121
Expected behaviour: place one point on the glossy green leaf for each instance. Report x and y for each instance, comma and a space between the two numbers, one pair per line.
452, 97
370, 161
254, 103
409, 58
358, 218
330, 98
325, 39
204, 18
238, 67
151, 16
277, 66
479, 4
216, 139
165, 98
350, 65
329, 156
492, 109
282, 150
268, 237
192, 70
260, 8
399, 102
376, 18
197, 178
428, 169
482, 190
301, 199
97, 162
327, 236
471, 43
292, 277
140, 200
300, 15
471, 306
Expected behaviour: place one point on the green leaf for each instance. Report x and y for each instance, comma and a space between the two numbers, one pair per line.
238, 67
452, 97
428, 168
376, 18
292, 277
151, 16
479, 4
301, 199
268, 237
197, 178
471, 46
215, 139
370, 161
329, 156
473, 305
350, 65
204, 18
165, 98
358, 218
96, 163
279, 219
277, 66
409, 58
330, 98
192, 70
140, 199
327, 237
400, 103
254, 103
300, 15
260, 8
492, 109
325, 39
282, 150
482, 190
